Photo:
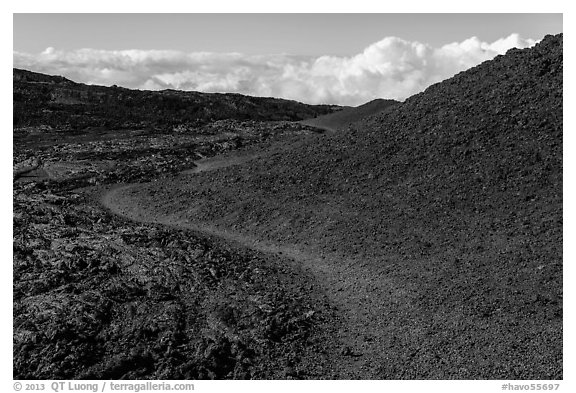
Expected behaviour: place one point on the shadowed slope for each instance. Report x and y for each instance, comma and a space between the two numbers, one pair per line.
447, 209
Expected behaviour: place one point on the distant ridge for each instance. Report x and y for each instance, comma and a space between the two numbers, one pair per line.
341, 119
20, 75
61, 103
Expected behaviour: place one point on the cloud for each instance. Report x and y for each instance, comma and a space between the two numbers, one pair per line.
390, 68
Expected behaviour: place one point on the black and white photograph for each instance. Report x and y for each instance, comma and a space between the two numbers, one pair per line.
287, 196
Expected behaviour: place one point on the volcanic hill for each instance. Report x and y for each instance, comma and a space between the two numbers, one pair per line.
345, 117
436, 226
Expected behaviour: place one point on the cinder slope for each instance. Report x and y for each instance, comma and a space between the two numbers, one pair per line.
444, 214
345, 117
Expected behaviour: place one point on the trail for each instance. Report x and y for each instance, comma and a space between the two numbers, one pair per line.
359, 291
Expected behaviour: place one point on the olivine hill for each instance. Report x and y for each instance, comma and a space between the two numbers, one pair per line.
451, 203
61, 103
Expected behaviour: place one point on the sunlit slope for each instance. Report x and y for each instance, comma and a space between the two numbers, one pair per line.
343, 118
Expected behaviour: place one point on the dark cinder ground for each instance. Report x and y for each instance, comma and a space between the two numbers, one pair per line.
424, 242
436, 225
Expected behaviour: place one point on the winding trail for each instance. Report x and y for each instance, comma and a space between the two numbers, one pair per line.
362, 294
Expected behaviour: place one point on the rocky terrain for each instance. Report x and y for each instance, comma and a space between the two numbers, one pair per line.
100, 297
435, 226
97, 297
102, 155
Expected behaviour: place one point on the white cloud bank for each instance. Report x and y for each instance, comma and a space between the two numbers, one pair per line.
390, 68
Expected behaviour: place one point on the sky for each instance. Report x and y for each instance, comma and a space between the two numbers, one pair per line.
345, 59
